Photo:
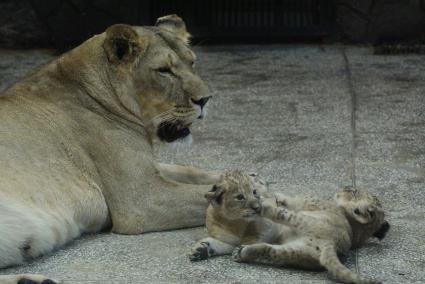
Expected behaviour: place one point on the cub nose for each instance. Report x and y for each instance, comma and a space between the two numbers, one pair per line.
201, 102
256, 207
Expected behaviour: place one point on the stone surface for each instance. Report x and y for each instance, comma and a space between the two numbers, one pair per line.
286, 112
390, 159
20, 26
377, 21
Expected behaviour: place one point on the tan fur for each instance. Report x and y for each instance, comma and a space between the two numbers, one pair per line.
290, 231
232, 222
76, 143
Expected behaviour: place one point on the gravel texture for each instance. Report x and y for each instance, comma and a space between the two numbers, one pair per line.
310, 119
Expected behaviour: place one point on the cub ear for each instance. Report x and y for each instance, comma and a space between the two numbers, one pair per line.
123, 44
214, 196
360, 215
382, 231
175, 25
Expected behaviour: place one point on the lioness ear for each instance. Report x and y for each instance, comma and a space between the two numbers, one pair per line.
214, 196
175, 25
123, 44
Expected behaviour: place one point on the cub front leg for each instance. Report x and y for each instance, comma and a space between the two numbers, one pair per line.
208, 247
282, 215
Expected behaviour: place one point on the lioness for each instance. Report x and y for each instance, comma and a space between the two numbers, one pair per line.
75, 143
290, 231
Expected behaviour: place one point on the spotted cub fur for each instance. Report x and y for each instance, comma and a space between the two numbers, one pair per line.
281, 230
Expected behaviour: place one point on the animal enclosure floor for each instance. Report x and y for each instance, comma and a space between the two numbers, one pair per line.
308, 118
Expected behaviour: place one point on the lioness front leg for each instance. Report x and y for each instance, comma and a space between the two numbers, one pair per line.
165, 206
208, 247
186, 174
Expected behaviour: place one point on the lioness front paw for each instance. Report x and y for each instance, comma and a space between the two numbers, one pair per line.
237, 254
200, 252
370, 281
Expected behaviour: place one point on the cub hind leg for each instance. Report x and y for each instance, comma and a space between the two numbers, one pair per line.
295, 253
300, 254
208, 247
329, 260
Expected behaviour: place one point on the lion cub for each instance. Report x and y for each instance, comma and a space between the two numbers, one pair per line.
288, 231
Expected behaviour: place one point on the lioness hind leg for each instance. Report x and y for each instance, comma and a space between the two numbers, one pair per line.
26, 279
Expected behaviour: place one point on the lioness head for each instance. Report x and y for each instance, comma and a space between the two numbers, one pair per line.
236, 195
365, 209
159, 66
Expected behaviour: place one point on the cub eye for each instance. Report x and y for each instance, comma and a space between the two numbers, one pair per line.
357, 211
164, 69
240, 197
254, 192
192, 63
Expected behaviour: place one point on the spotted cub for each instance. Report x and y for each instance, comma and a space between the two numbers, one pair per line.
303, 232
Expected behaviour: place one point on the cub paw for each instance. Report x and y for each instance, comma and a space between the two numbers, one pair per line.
281, 214
268, 206
200, 252
280, 200
237, 254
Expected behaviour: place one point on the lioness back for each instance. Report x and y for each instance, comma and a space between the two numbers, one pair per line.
76, 142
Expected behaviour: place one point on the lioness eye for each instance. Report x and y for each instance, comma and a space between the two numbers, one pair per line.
254, 192
357, 211
240, 197
164, 69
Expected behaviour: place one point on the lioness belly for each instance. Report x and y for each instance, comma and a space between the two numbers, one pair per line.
48, 194
38, 216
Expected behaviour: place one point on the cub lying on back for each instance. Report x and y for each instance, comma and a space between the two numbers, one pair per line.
288, 231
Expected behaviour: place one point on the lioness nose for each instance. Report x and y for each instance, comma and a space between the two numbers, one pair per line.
201, 102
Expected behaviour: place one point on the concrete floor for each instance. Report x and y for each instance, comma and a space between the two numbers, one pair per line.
310, 119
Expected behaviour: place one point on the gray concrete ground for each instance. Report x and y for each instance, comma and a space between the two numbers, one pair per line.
310, 119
